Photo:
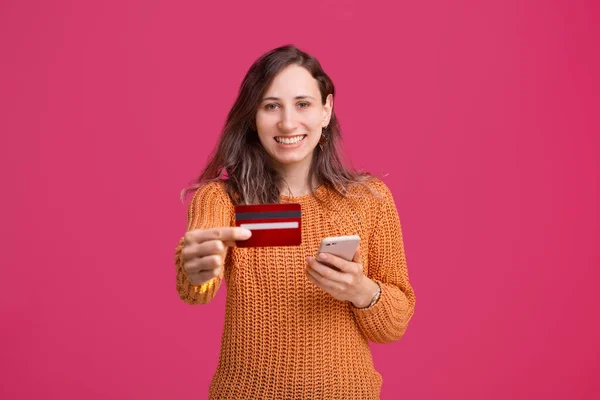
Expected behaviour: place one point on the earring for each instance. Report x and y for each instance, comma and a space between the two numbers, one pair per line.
323, 139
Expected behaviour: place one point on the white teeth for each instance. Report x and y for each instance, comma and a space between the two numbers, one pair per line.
288, 140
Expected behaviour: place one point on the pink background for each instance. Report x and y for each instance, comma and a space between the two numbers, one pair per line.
484, 114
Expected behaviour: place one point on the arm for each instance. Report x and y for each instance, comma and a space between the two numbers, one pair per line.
210, 207
388, 319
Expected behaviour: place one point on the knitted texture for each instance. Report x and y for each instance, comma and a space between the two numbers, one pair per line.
285, 338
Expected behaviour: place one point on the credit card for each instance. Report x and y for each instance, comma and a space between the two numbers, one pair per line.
271, 224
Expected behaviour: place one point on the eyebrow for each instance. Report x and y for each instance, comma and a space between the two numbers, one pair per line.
295, 98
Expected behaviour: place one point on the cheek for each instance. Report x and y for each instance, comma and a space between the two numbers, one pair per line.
264, 136
314, 118
263, 126
265, 121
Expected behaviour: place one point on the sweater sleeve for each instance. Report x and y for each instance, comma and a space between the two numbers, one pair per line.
388, 319
210, 208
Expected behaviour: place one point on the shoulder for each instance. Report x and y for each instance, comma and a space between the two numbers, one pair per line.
373, 198
379, 187
372, 191
210, 206
211, 193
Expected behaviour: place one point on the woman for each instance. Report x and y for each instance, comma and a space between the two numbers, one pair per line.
295, 328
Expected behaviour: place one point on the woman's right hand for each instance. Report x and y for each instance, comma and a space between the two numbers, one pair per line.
204, 251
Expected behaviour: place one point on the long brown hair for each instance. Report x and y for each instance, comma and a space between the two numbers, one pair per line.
240, 159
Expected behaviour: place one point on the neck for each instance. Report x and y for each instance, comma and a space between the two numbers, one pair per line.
296, 181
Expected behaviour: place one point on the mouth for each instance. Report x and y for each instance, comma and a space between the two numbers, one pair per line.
289, 139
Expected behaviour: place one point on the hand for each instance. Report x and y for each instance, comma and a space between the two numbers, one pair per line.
204, 251
347, 283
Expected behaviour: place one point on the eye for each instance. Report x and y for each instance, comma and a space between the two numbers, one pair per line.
271, 106
303, 104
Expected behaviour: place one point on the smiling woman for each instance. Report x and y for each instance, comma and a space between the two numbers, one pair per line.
296, 326
290, 121
284, 109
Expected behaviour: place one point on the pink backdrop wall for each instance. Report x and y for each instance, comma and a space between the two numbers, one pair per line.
484, 114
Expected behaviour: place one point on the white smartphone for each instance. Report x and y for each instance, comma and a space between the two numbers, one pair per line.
341, 246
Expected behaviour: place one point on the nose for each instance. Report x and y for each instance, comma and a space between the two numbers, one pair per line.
288, 120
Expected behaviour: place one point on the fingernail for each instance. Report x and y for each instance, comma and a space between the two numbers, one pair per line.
310, 258
246, 233
322, 256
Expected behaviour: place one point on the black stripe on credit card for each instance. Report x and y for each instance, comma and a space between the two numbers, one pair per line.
267, 215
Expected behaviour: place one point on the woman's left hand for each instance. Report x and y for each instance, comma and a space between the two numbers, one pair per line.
348, 283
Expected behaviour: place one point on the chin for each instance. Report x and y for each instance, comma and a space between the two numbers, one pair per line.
291, 158
289, 161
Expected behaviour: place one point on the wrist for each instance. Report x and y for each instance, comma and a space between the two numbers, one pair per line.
369, 295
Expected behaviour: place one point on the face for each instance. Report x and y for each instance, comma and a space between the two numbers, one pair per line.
291, 116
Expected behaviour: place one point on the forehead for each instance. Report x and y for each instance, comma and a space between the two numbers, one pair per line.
292, 81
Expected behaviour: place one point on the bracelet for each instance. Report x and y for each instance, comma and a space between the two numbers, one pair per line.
376, 297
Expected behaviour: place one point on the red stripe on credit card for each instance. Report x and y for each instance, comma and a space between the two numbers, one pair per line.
271, 224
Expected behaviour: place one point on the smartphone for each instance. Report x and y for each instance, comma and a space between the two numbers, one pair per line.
341, 246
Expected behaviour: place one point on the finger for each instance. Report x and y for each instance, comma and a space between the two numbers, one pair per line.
196, 250
203, 264
202, 277
334, 261
315, 277
339, 263
326, 271
356, 258
312, 278
226, 234
322, 282
310, 270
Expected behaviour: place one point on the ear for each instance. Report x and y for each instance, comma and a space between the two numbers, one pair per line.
327, 110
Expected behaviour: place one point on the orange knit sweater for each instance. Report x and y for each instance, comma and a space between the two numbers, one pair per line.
285, 338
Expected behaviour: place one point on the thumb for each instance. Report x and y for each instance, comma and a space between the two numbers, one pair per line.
356, 257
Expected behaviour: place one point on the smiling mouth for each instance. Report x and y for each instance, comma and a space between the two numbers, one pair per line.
289, 140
